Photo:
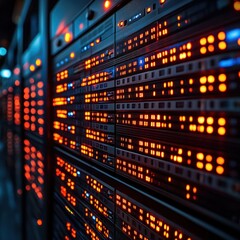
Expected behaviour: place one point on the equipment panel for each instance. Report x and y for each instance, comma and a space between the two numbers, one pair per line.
147, 94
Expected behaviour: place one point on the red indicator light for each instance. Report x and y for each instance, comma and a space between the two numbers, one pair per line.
16, 71
17, 83
39, 222
81, 26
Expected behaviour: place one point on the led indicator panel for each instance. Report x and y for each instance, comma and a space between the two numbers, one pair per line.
158, 107
33, 104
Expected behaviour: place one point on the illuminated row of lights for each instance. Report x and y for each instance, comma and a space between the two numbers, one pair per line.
100, 227
87, 150
154, 222
184, 123
98, 59
96, 78
101, 208
135, 170
97, 117
62, 75
97, 97
97, 186
175, 154
68, 58
90, 232
208, 44
172, 54
68, 196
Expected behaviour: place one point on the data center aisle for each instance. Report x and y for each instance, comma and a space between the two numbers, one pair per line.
9, 212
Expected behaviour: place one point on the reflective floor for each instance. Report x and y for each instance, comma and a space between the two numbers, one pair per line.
9, 206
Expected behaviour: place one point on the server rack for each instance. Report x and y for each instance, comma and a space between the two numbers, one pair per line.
145, 106
130, 119
35, 116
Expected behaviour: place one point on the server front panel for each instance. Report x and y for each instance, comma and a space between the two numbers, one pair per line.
146, 105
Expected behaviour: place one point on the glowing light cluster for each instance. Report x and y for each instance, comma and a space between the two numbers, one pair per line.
181, 155
96, 78
71, 230
91, 232
99, 225
156, 224
62, 75
33, 169
33, 106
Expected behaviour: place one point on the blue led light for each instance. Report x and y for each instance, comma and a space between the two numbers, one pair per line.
69, 128
87, 194
62, 62
66, 59
229, 62
94, 218
68, 99
5, 73
141, 61
70, 85
57, 64
233, 34
70, 114
78, 173
3, 51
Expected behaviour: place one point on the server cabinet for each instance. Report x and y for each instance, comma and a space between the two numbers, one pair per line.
36, 114
145, 104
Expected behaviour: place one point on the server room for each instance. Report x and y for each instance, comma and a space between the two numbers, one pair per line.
119, 119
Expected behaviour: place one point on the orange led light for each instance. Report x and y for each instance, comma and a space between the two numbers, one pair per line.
210, 48
32, 68
203, 41
221, 121
221, 36
203, 50
199, 165
210, 120
38, 62
210, 39
219, 170
68, 37
39, 222
107, 4
209, 129
222, 45
221, 131
200, 156
220, 160
148, 10
209, 167
236, 5
222, 77
222, 87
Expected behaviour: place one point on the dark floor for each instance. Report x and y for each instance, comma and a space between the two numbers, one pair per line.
9, 203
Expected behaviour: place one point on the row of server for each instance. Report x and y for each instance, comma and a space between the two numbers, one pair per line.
123, 119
